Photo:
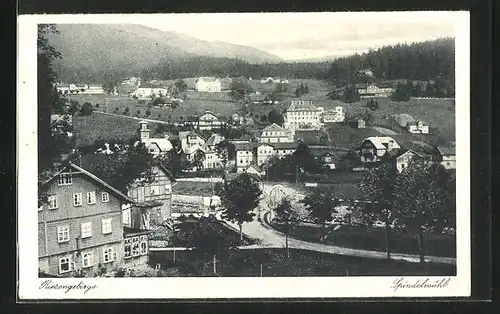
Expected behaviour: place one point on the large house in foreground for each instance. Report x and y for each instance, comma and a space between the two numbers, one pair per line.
80, 225
248, 154
208, 84
152, 200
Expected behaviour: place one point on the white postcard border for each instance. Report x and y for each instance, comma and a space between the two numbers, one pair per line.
29, 284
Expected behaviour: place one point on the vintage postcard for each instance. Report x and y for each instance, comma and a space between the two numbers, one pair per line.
255, 155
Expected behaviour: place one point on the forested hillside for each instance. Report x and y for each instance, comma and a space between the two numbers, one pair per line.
423, 61
418, 61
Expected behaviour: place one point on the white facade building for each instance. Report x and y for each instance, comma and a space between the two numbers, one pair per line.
302, 114
335, 115
208, 84
275, 134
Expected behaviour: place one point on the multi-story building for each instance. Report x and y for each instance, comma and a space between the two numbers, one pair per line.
404, 159
152, 195
244, 155
372, 91
418, 127
446, 156
275, 134
156, 146
335, 115
209, 121
374, 148
148, 92
208, 84
302, 114
80, 226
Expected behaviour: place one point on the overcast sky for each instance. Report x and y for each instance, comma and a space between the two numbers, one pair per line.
294, 36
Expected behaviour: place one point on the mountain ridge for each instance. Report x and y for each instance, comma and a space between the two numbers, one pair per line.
96, 50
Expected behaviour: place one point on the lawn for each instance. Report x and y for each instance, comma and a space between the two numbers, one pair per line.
247, 263
374, 239
193, 188
101, 126
436, 112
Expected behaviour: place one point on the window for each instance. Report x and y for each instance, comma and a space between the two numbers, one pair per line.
144, 245
108, 255
62, 234
135, 246
86, 228
168, 189
87, 259
155, 190
65, 265
127, 249
106, 226
90, 197
53, 202
64, 179
77, 199
105, 197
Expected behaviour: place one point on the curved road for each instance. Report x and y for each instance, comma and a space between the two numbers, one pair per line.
269, 237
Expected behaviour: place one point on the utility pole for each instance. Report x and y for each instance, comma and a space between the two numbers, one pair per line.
261, 270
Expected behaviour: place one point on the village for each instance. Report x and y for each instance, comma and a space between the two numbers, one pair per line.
159, 175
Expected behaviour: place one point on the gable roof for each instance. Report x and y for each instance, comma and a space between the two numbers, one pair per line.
92, 177
403, 119
446, 150
244, 146
163, 144
273, 127
409, 151
214, 139
380, 142
208, 79
207, 113
306, 106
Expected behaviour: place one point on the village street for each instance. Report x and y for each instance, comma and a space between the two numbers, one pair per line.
269, 237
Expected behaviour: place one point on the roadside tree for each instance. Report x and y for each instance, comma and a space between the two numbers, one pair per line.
239, 197
321, 205
378, 185
425, 200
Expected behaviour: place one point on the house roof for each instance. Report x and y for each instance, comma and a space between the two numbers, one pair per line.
215, 139
127, 231
257, 168
291, 145
408, 151
92, 177
162, 143
207, 113
404, 119
380, 142
207, 79
306, 106
446, 150
273, 127
245, 146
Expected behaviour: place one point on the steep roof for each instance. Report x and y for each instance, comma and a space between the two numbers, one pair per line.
408, 151
446, 150
404, 119
207, 79
93, 178
305, 106
244, 146
273, 127
380, 142
163, 144
214, 139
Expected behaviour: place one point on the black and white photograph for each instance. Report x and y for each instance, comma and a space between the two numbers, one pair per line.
180, 156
